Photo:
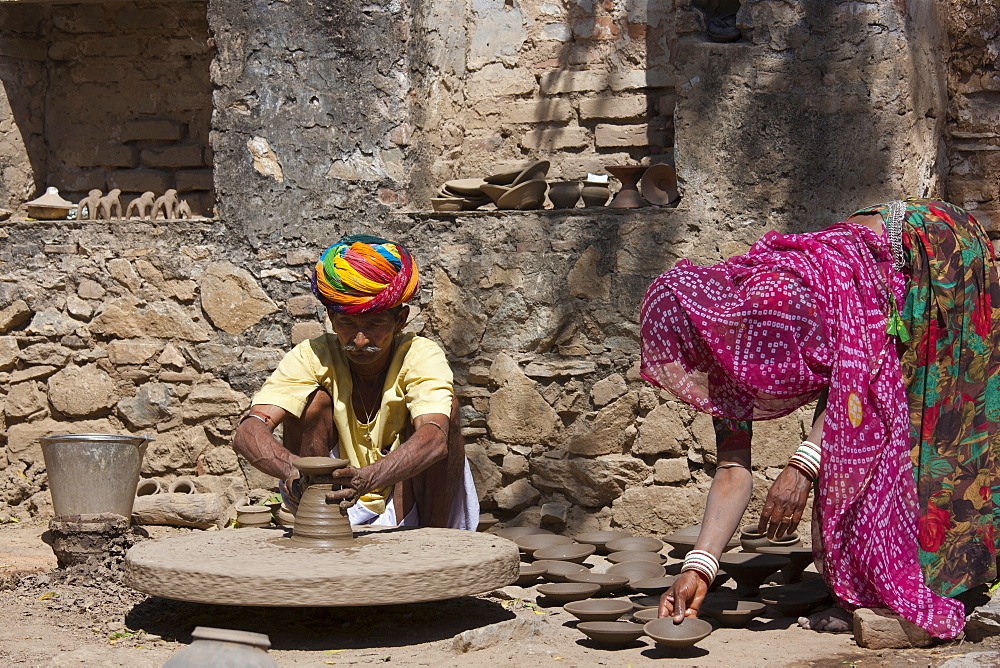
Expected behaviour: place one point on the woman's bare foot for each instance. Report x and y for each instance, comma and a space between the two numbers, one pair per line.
832, 620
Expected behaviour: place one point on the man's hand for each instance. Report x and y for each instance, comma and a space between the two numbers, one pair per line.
785, 501
356, 482
295, 484
684, 598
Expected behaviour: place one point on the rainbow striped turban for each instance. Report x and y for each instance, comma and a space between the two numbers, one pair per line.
364, 274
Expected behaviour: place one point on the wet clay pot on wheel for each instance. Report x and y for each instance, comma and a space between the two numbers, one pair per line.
751, 570
750, 539
318, 523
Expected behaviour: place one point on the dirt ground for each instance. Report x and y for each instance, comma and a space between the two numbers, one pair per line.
54, 619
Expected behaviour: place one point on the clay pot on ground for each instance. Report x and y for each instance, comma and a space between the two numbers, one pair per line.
683, 541
750, 570
652, 586
689, 632
575, 552
253, 516
599, 539
565, 194
637, 570
645, 602
793, 603
557, 571
564, 592
528, 544
628, 196
732, 614
529, 575
50, 206
635, 543
609, 584
598, 610
800, 558
750, 539
635, 555
615, 634
223, 647
595, 194
646, 615
512, 533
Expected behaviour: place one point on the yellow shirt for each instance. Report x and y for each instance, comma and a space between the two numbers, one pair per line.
418, 382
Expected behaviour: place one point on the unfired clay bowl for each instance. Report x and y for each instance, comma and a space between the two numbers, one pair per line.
529, 574
465, 186
513, 533
800, 558
486, 521
787, 540
526, 196
793, 603
317, 467
659, 185
598, 610
609, 583
575, 552
646, 615
750, 570
637, 570
495, 192
611, 633
689, 632
599, 538
652, 586
635, 555
564, 592
530, 543
732, 614
635, 543
750, 539
447, 204
644, 602
683, 541
556, 571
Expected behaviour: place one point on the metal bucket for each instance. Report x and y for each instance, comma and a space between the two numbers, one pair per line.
93, 473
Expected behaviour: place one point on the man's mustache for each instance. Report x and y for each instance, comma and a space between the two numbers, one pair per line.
353, 348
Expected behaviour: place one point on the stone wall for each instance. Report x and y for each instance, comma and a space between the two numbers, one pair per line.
106, 95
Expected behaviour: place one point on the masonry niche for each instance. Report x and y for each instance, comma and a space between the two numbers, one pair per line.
105, 95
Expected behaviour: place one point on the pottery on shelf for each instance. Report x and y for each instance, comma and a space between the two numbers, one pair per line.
652, 586
495, 192
750, 539
447, 204
595, 193
689, 632
568, 591
732, 614
794, 602
646, 615
525, 172
574, 552
565, 194
529, 574
598, 610
529, 544
750, 570
611, 633
526, 196
635, 555
628, 196
465, 186
658, 185
486, 520
800, 558
50, 206
512, 533
557, 571
635, 543
610, 584
600, 538
637, 570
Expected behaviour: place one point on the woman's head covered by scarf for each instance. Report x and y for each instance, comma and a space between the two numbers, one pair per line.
364, 274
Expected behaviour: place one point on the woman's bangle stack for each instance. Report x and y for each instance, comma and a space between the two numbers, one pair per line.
703, 563
807, 459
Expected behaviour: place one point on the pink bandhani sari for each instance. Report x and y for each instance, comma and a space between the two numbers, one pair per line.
759, 335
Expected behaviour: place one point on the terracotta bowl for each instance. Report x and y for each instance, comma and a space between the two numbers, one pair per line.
532, 172
636, 544
465, 186
646, 615
689, 632
645, 602
750, 540
611, 633
635, 555
609, 583
556, 571
513, 533
486, 521
683, 541
529, 575
732, 614
637, 570
793, 603
787, 540
575, 552
652, 586
526, 196
564, 592
598, 610
447, 204
599, 538
750, 570
532, 542
659, 185
495, 192
800, 558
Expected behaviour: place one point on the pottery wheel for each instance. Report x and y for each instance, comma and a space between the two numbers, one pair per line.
259, 567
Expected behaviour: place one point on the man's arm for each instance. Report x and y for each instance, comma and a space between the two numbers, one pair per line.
255, 442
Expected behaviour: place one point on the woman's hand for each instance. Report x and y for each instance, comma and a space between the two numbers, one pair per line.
684, 598
785, 501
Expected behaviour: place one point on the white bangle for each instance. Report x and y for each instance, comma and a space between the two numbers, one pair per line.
702, 562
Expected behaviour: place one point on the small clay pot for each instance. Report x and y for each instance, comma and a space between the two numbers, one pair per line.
486, 521
635, 543
513, 533
253, 516
611, 633
689, 632
599, 539
637, 570
646, 615
557, 571
610, 584
148, 487
788, 540
182, 486
635, 555
751, 570
529, 575
652, 586
595, 194
565, 194
565, 592
598, 610
530, 543
575, 552
732, 614
750, 539
793, 603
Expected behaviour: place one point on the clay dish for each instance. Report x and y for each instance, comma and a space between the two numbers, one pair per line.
637, 570
575, 552
732, 614
611, 633
447, 204
565, 592
599, 538
526, 196
319, 466
465, 186
495, 192
646, 615
528, 574
635, 543
652, 586
609, 583
536, 171
800, 558
635, 555
683, 541
556, 571
659, 185
750, 569
792, 603
598, 610
689, 632
486, 521
533, 542
503, 178
645, 602
512, 533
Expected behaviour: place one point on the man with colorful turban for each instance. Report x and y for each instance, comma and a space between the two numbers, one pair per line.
367, 393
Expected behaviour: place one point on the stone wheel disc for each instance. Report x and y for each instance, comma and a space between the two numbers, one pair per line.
259, 567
